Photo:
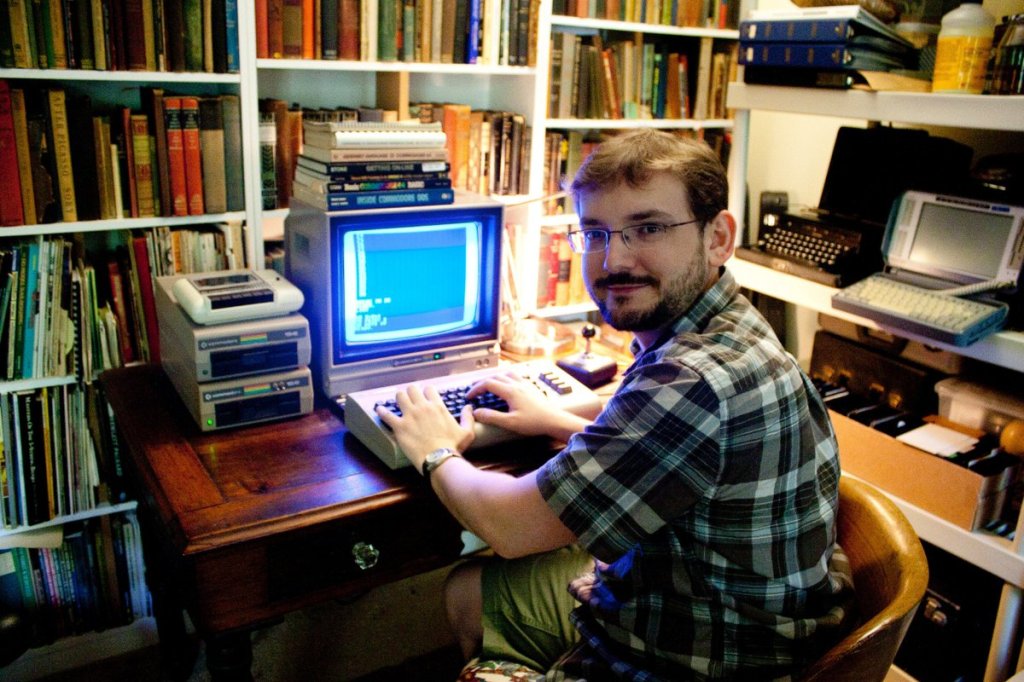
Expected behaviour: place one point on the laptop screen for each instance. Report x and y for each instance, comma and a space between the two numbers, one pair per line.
961, 240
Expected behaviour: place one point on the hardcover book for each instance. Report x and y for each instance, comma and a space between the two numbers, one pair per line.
344, 201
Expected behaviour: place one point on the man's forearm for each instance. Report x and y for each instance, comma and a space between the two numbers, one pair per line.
506, 512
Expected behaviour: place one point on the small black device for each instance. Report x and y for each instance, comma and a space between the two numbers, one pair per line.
588, 368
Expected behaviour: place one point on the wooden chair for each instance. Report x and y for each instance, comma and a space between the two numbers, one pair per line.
890, 575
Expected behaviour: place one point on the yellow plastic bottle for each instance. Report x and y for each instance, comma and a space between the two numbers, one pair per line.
965, 41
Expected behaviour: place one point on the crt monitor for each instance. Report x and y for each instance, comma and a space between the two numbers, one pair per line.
398, 295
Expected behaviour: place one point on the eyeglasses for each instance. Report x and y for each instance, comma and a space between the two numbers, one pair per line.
635, 237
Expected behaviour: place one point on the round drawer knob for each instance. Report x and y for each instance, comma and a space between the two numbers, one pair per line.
365, 555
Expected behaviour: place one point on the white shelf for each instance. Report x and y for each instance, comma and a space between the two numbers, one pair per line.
120, 224
66, 75
101, 510
626, 123
560, 21
995, 112
1004, 349
348, 66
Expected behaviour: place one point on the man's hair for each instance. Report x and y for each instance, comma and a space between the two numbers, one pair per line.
633, 157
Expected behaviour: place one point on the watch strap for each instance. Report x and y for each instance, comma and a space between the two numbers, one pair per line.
436, 459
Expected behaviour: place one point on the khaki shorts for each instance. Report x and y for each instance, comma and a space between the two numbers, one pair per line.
526, 605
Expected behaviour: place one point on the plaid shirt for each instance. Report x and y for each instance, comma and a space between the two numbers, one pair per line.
709, 485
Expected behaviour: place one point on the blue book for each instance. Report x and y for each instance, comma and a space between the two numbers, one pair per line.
10, 586
231, 22
821, 56
399, 198
473, 40
31, 310
834, 24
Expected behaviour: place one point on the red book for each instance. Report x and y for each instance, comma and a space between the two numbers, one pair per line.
348, 29
193, 155
176, 156
120, 310
308, 30
145, 276
11, 210
262, 36
275, 28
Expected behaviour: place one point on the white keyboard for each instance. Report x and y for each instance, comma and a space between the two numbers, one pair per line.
925, 312
563, 391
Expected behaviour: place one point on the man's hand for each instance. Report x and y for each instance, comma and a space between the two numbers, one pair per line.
426, 425
530, 412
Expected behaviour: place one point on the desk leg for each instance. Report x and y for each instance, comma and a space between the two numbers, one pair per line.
229, 657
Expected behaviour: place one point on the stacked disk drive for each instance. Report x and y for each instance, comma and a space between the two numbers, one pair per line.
234, 346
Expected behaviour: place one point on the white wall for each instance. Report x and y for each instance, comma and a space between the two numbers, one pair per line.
790, 153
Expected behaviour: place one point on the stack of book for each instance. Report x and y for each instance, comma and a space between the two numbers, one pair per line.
820, 46
346, 165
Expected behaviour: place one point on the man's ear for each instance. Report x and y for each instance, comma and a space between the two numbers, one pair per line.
720, 238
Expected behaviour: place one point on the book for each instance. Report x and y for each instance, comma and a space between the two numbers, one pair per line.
142, 166
211, 145
192, 32
177, 188
153, 106
268, 153
232, 58
344, 170
374, 155
192, 155
329, 29
57, 100
818, 55
83, 158
11, 204
291, 29
144, 276
817, 29
342, 201
456, 122
318, 184
369, 135
234, 179
348, 29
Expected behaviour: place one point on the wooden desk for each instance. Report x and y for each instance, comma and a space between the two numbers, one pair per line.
245, 525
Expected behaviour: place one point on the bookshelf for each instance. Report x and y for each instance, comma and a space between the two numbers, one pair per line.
63, 494
996, 121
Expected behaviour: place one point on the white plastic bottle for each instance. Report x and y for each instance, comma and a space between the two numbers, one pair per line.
963, 49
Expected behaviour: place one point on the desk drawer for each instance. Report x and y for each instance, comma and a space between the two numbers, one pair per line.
376, 548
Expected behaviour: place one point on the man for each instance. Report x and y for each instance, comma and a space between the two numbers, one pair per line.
706, 489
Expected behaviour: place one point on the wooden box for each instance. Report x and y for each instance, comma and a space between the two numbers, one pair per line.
954, 493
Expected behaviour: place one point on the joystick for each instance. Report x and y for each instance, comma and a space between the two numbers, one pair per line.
588, 368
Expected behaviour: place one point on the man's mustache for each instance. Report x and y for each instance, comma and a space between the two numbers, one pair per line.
623, 279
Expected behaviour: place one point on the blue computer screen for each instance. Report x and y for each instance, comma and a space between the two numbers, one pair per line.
413, 282
404, 283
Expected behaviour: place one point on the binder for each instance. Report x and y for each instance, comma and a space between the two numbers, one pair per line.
820, 55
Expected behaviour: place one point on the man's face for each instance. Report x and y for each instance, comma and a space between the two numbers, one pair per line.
644, 289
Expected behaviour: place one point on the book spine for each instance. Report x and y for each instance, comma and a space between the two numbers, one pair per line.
143, 166
821, 55
62, 153
11, 204
233, 179
806, 30
343, 171
135, 38
268, 154
176, 156
192, 23
19, 117
262, 37
348, 29
377, 185
375, 155
329, 19
144, 273
291, 29
339, 201
373, 140
211, 144
218, 37
192, 154
275, 28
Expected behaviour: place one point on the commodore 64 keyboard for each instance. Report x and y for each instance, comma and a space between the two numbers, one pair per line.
561, 390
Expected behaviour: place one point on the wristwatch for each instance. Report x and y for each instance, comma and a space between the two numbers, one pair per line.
436, 459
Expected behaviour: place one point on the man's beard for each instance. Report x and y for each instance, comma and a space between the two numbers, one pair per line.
676, 300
